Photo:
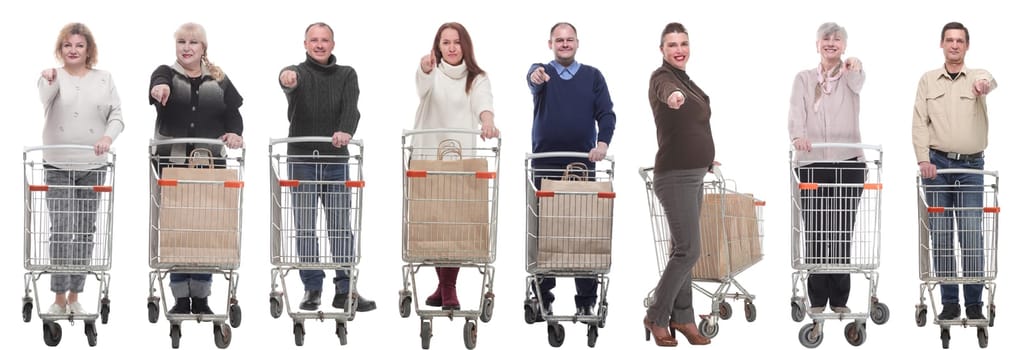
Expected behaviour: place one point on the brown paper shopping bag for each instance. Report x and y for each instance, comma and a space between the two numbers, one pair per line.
729, 236
575, 224
448, 208
199, 222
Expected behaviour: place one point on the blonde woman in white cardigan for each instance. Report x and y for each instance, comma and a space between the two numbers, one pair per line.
82, 107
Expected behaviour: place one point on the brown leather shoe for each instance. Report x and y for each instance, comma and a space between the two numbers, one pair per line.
661, 335
691, 333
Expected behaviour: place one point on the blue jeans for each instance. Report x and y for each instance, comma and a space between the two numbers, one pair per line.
955, 191
336, 201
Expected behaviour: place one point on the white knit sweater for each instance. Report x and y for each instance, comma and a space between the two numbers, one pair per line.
443, 104
79, 111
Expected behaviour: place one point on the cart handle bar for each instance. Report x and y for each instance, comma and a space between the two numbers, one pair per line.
844, 145
67, 147
548, 194
479, 174
348, 183
813, 186
174, 182
304, 139
938, 210
44, 188
563, 155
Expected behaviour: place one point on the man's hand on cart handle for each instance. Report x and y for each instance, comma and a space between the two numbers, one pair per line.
927, 170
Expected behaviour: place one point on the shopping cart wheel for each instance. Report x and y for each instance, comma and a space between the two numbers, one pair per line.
299, 331
750, 311
487, 310
51, 333
104, 310
154, 312
235, 315
530, 312
592, 334
725, 310
555, 334
855, 333
276, 307
798, 313
880, 313
945, 337
981, 335
405, 306
342, 332
806, 337
990, 312
425, 332
175, 336
221, 335
708, 330
26, 310
921, 315
603, 314
469, 334
90, 333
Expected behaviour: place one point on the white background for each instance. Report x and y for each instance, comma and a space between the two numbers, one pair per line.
744, 55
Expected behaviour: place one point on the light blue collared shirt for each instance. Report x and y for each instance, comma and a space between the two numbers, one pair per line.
568, 72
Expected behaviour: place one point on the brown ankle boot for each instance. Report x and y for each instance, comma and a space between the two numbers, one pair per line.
448, 288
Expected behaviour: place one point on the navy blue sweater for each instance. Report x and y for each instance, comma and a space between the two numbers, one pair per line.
566, 113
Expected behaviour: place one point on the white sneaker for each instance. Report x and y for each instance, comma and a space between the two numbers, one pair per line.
817, 309
75, 308
56, 309
841, 309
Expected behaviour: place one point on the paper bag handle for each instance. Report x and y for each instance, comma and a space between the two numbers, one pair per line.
448, 147
196, 158
571, 169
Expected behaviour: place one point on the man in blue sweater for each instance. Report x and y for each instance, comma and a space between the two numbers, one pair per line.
572, 112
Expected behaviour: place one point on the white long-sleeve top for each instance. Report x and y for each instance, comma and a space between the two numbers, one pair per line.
443, 104
79, 111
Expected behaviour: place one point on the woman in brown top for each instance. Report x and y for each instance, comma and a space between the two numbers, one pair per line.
681, 111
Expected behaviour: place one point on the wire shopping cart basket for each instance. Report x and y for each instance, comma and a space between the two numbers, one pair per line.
195, 216
731, 241
449, 220
958, 217
68, 230
835, 230
569, 211
307, 236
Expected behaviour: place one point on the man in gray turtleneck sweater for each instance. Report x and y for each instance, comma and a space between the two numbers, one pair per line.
322, 99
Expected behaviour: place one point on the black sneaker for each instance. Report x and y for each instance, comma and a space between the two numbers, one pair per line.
361, 305
974, 312
182, 306
201, 306
584, 310
311, 300
950, 312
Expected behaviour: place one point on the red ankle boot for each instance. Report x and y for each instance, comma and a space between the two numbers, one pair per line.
448, 288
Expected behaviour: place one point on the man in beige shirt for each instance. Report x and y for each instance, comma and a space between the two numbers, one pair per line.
949, 131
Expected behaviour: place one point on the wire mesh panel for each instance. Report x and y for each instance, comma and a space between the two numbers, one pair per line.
958, 227
68, 209
195, 205
316, 207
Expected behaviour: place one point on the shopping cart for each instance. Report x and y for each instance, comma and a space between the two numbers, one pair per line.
68, 223
195, 225
569, 231
301, 242
973, 210
731, 241
835, 229
449, 219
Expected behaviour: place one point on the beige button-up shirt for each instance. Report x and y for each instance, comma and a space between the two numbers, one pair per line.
948, 116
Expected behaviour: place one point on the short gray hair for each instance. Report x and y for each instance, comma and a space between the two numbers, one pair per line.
831, 28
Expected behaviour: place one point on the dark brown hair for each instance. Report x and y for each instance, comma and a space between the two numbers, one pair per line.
673, 27
467, 53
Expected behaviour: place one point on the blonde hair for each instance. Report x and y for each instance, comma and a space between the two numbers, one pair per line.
198, 32
91, 52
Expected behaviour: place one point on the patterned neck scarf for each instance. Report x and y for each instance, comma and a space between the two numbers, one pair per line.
825, 83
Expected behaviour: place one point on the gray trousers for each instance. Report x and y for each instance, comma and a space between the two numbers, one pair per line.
681, 196
72, 212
